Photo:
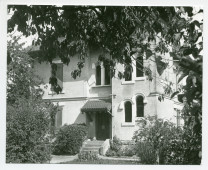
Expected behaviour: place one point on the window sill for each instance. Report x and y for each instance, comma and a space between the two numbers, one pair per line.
140, 78
54, 93
127, 124
97, 86
139, 118
127, 82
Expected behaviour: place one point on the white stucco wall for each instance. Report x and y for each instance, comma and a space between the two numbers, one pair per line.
78, 91
75, 91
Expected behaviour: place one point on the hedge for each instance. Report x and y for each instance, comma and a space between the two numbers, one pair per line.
69, 139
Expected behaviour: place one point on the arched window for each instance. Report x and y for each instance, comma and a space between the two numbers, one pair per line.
98, 75
128, 111
140, 106
139, 67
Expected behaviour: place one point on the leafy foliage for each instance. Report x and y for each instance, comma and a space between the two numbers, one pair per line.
88, 156
28, 132
165, 143
28, 117
69, 139
121, 32
115, 144
146, 152
117, 149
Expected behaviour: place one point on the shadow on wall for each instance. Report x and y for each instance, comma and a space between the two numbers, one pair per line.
101, 91
81, 118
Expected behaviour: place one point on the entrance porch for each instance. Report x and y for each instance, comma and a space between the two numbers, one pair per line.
98, 119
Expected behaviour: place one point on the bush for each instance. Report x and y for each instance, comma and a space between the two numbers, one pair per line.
156, 134
115, 147
129, 150
26, 132
111, 153
146, 152
117, 150
115, 144
69, 139
87, 156
170, 144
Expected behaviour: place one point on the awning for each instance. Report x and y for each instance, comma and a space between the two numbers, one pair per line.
96, 105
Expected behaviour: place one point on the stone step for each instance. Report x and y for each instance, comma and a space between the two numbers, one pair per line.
90, 148
94, 143
92, 151
91, 145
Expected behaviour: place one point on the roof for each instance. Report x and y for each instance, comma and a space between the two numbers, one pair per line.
96, 105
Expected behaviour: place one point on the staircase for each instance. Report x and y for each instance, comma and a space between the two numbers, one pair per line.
92, 146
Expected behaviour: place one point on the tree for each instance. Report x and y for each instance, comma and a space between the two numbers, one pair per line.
121, 32
28, 118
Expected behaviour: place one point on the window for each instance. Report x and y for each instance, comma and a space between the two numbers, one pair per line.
139, 67
128, 69
102, 75
56, 79
140, 106
128, 111
98, 75
107, 75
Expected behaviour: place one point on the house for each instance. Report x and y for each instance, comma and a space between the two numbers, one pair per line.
110, 106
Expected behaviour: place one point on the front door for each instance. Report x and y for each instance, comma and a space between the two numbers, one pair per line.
102, 126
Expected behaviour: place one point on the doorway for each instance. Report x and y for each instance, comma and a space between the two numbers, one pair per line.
103, 126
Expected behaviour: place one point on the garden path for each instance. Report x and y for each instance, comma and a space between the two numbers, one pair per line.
62, 158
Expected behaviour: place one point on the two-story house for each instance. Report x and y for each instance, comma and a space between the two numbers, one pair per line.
110, 106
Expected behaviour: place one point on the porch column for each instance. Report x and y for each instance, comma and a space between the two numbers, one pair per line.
102, 74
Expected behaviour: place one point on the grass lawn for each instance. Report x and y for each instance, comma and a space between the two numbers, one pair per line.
102, 161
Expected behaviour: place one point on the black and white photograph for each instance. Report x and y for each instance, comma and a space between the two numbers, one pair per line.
104, 84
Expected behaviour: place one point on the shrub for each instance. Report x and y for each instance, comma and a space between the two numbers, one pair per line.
146, 152
117, 150
111, 153
115, 147
28, 117
183, 150
171, 144
69, 139
27, 129
86, 156
129, 150
115, 144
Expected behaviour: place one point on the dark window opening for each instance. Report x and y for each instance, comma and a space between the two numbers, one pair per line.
128, 73
139, 67
98, 75
128, 69
107, 75
128, 111
56, 79
140, 106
